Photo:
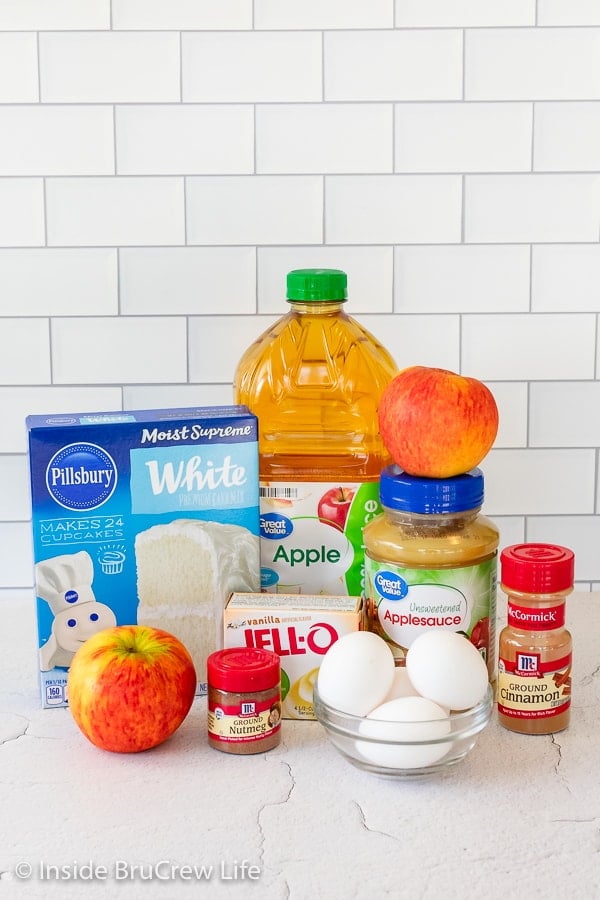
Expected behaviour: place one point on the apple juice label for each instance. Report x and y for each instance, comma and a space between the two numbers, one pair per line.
311, 535
529, 688
245, 721
402, 602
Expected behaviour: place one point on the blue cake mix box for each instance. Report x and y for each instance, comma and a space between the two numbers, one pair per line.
145, 517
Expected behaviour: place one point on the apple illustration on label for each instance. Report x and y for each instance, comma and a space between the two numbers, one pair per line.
480, 636
334, 506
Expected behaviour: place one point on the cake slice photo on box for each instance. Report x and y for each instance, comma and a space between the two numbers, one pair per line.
186, 570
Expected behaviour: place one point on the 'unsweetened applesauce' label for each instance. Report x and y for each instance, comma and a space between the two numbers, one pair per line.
311, 536
401, 603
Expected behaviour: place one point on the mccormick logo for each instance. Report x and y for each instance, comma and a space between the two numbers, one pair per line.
527, 664
81, 476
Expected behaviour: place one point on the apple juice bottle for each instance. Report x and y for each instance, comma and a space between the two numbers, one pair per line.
314, 380
431, 562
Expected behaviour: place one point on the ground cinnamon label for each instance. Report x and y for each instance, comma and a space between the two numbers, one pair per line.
530, 689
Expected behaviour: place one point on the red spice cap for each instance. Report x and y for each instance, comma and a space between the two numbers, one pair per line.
243, 669
537, 568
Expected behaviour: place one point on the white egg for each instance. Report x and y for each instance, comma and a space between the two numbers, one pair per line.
445, 667
356, 673
405, 733
401, 685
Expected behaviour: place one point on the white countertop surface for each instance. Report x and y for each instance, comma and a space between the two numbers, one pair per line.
520, 817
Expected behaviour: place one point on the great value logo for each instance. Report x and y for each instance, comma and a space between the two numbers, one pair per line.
390, 585
81, 476
274, 526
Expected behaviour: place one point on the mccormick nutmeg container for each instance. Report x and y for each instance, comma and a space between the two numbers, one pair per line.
535, 648
244, 700
314, 380
431, 561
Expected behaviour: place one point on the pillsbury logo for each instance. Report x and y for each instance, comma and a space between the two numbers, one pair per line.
81, 476
390, 585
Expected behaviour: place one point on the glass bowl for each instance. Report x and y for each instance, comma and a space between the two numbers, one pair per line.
404, 749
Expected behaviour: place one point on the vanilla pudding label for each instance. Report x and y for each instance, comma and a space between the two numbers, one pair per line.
147, 517
401, 603
300, 629
311, 536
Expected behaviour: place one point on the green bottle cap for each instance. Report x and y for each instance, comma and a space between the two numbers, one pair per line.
317, 284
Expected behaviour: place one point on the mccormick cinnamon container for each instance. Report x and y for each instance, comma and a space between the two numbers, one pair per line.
534, 664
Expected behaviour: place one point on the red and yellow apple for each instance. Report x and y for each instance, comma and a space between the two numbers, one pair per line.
334, 506
435, 423
130, 687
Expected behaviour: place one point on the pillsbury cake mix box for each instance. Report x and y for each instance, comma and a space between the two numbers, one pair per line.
148, 517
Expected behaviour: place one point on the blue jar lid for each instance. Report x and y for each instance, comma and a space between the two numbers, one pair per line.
410, 493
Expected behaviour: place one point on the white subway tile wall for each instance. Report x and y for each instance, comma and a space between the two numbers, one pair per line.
56, 140
400, 64
18, 68
39, 15
81, 345
532, 63
251, 67
109, 67
164, 163
177, 140
114, 211
59, 282
21, 212
376, 209
179, 14
246, 209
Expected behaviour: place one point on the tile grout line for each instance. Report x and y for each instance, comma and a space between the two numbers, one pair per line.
532, 155
39, 68
315, 101
323, 177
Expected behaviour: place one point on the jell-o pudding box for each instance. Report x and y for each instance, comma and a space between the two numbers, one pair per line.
300, 628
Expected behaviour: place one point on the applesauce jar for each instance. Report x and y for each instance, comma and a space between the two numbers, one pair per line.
431, 562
